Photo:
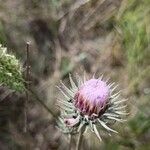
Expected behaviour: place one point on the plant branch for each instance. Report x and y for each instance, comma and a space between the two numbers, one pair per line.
29, 90
42, 103
27, 86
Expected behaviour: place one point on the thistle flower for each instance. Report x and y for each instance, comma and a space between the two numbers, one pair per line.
90, 103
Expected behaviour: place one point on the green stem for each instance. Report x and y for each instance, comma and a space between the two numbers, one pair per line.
80, 138
70, 142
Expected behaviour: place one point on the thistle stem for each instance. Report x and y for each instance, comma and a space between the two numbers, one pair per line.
70, 141
80, 138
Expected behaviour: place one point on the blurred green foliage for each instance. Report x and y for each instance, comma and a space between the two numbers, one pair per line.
10, 71
135, 24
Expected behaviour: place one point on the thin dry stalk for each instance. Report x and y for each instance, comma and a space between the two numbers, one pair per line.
27, 86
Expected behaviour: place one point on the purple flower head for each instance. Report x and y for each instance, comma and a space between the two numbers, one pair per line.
89, 103
92, 97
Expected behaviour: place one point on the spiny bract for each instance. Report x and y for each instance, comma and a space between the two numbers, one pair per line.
90, 103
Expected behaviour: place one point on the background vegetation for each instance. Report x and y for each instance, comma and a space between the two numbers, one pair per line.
92, 36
